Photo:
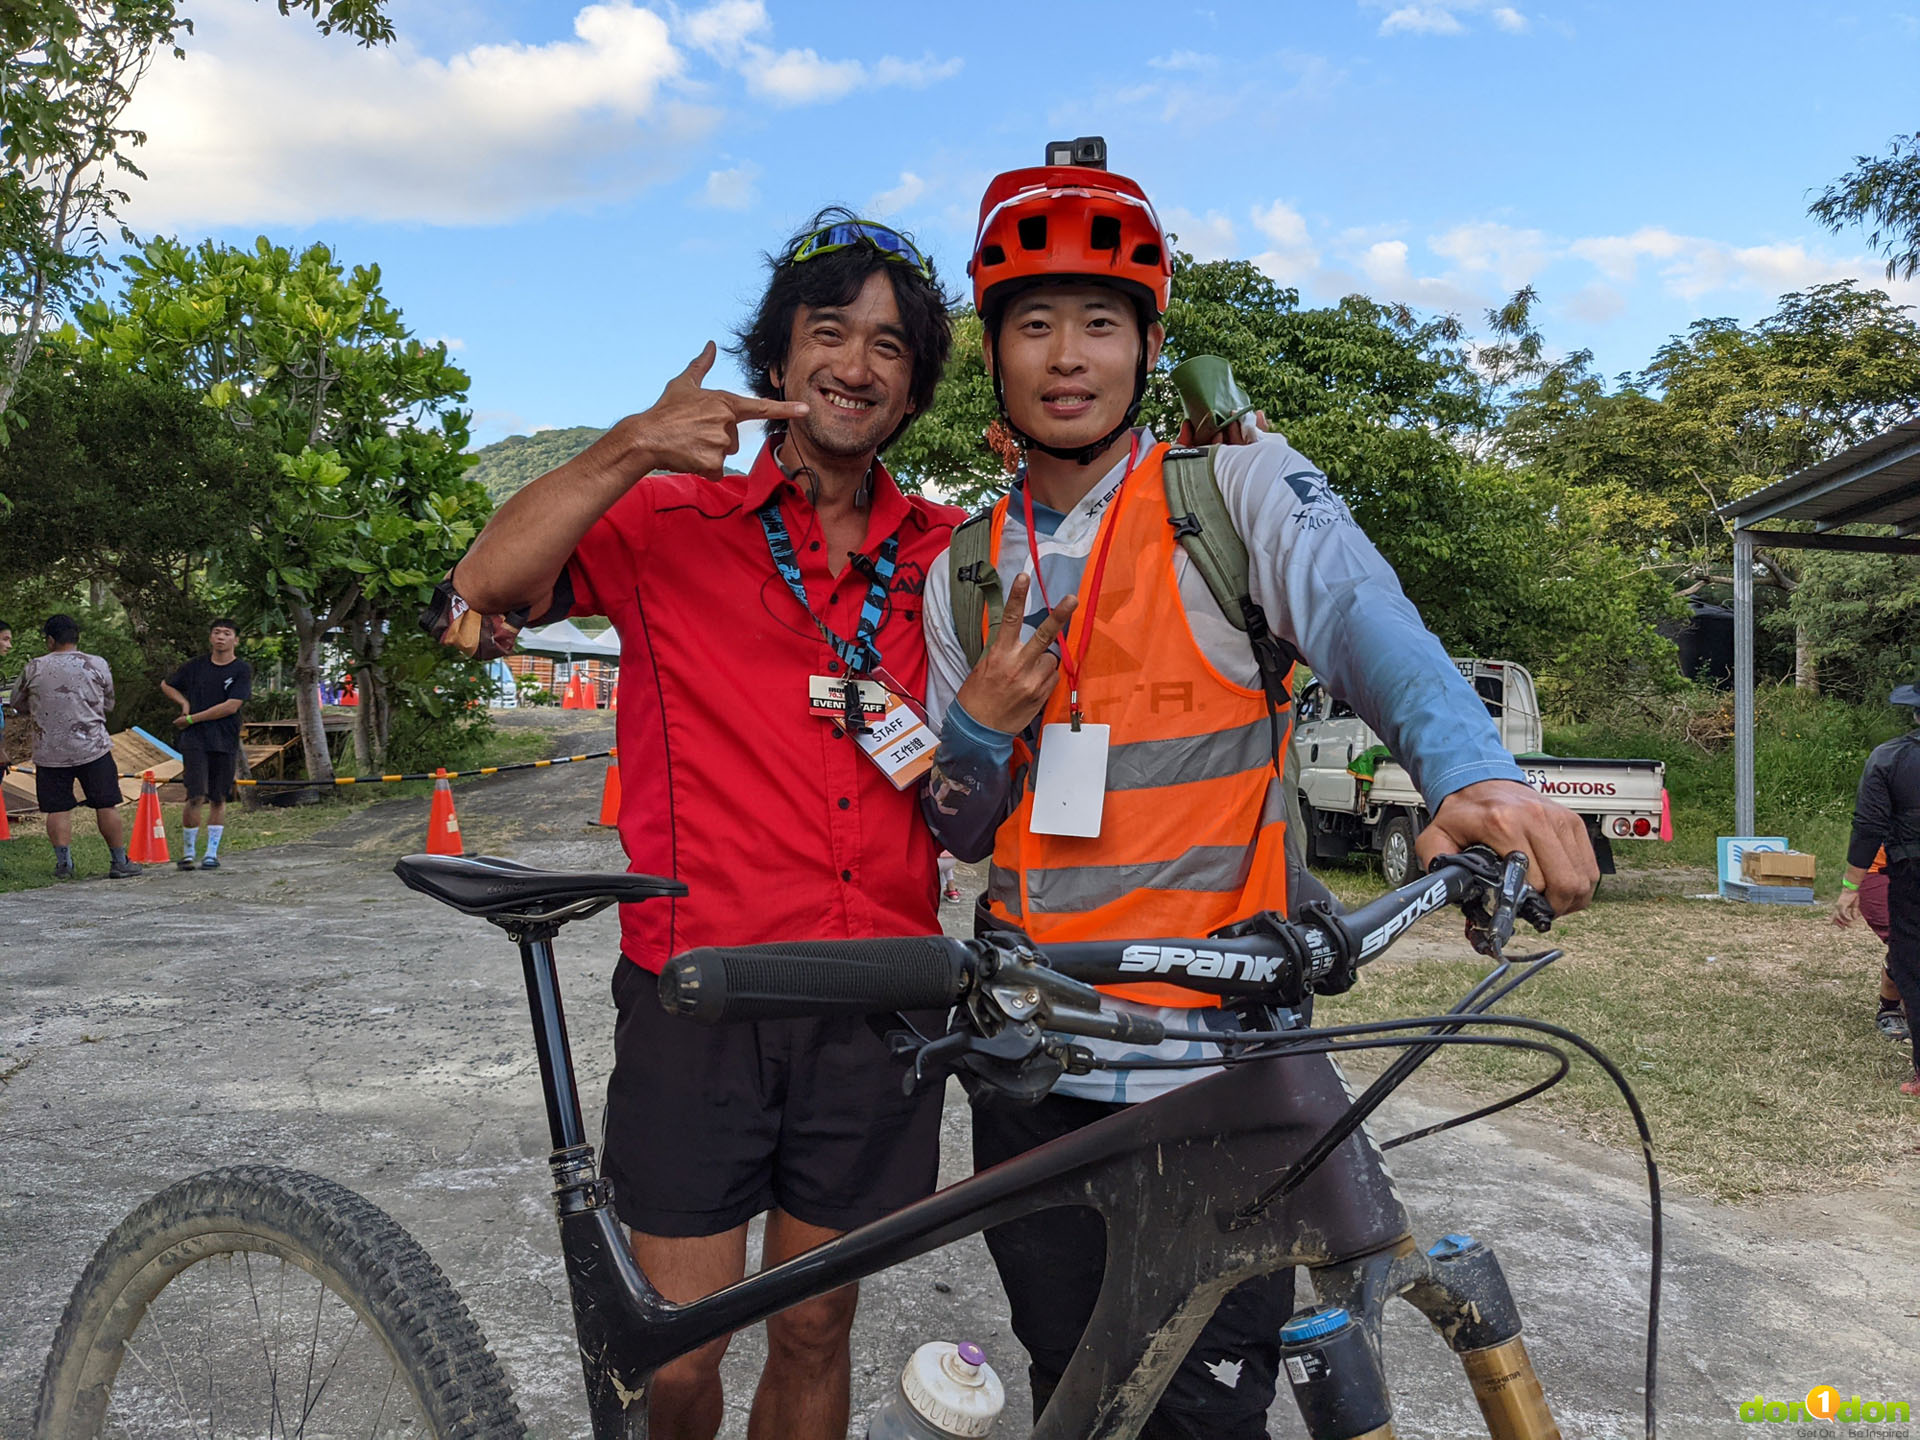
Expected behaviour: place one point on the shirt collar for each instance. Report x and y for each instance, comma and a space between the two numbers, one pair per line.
887, 508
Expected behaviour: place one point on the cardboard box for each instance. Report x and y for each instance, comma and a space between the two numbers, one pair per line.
1777, 867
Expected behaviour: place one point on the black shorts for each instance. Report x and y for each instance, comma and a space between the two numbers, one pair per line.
708, 1126
1051, 1265
99, 782
207, 774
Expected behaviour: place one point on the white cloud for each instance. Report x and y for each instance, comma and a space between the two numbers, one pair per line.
731, 189
735, 33
1291, 255
453, 343
1511, 256
1443, 17
1422, 20
268, 122
1691, 266
1184, 60
1205, 237
892, 202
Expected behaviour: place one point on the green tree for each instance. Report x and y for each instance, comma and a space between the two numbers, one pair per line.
123, 488
945, 451
1881, 191
68, 69
370, 504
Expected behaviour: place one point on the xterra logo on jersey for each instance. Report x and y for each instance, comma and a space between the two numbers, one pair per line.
1202, 964
1432, 898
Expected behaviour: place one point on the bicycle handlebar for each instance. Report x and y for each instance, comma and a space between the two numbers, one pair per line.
1266, 959
816, 977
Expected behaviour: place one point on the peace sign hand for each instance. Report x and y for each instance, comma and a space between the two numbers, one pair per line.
1011, 683
693, 430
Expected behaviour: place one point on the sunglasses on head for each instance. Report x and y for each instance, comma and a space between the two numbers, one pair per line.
891, 244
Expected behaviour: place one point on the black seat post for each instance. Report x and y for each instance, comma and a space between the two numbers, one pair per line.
550, 1037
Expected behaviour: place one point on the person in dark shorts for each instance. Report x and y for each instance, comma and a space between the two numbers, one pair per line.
209, 689
738, 599
68, 693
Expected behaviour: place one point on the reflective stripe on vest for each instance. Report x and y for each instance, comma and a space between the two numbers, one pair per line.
1193, 830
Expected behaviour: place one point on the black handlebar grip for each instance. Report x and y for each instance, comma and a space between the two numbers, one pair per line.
814, 977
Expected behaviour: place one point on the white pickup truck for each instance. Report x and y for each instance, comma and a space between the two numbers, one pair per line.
1341, 813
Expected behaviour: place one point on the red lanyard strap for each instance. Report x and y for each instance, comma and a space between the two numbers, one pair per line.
1074, 656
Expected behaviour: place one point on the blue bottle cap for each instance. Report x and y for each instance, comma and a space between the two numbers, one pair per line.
1312, 1324
1448, 1246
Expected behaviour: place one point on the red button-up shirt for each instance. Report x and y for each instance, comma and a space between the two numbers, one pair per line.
777, 821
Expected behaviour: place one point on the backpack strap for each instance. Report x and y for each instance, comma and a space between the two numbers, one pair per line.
974, 585
1204, 528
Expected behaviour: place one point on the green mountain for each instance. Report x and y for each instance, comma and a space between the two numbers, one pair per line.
508, 464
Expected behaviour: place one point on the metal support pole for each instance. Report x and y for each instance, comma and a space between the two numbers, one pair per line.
1743, 821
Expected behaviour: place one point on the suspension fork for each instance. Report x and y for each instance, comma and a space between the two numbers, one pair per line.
1459, 1286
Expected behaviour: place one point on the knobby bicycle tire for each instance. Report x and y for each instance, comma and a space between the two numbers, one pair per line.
344, 1241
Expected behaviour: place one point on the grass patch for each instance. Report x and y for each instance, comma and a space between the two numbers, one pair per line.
1759, 1068
26, 862
1808, 755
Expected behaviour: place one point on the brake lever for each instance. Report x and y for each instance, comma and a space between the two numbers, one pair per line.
1489, 932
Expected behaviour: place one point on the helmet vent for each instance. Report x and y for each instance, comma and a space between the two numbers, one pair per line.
992, 255
1033, 232
1105, 233
1146, 254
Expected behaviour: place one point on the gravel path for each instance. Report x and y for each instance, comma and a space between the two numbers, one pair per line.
300, 1006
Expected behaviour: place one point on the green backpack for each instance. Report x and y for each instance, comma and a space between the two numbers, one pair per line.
1201, 524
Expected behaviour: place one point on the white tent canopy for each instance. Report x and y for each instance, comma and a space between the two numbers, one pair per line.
568, 641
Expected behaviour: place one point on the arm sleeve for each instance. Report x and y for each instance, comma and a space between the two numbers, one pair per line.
106, 686
606, 562
1328, 591
242, 684
1872, 810
970, 789
178, 679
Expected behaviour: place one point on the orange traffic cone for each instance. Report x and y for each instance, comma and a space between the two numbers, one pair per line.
5, 833
610, 793
570, 697
443, 826
148, 843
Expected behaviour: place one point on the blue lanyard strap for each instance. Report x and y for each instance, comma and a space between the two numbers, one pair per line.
859, 654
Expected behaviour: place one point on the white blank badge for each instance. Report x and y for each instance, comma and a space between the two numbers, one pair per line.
1070, 787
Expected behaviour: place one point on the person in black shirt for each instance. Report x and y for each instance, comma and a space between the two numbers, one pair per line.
1887, 813
209, 691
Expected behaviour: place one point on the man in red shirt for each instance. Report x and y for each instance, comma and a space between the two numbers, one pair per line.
751, 770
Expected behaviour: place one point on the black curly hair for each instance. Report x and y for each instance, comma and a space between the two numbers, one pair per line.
835, 278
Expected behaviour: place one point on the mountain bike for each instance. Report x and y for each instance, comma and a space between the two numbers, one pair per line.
258, 1300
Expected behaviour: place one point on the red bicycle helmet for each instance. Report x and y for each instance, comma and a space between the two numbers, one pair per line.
1056, 223
1069, 222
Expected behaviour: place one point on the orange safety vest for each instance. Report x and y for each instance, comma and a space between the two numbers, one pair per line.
1193, 833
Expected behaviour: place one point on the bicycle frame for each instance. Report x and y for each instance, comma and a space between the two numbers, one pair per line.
1170, 1177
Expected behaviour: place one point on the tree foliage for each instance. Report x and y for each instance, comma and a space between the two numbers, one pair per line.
370, 503
68, 70
1883, 193
505, 466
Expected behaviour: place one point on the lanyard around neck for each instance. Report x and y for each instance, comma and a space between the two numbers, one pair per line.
1074, 656
859, 654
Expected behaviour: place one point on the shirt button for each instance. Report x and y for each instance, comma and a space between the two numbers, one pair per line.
833, 667
846, 875
845, 803
814, 546
833, 599
838, 733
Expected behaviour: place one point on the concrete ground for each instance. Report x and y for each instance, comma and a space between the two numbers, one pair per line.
300, 1006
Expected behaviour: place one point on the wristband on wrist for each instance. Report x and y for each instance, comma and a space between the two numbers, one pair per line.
192, 719
1846, 884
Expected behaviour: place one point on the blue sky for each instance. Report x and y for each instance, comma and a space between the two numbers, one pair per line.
577, 197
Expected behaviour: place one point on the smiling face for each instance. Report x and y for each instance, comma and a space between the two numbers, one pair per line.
1068, 356
852, 366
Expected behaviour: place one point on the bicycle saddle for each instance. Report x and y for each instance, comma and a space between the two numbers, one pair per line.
493, 888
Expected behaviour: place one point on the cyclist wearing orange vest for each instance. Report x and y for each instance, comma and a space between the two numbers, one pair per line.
1113, 747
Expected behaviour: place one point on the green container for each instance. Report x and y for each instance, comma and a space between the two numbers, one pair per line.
1210, 395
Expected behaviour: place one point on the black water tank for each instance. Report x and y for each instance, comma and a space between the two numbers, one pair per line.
1706, 644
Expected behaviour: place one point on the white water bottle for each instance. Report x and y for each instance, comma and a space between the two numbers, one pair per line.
947, 1392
